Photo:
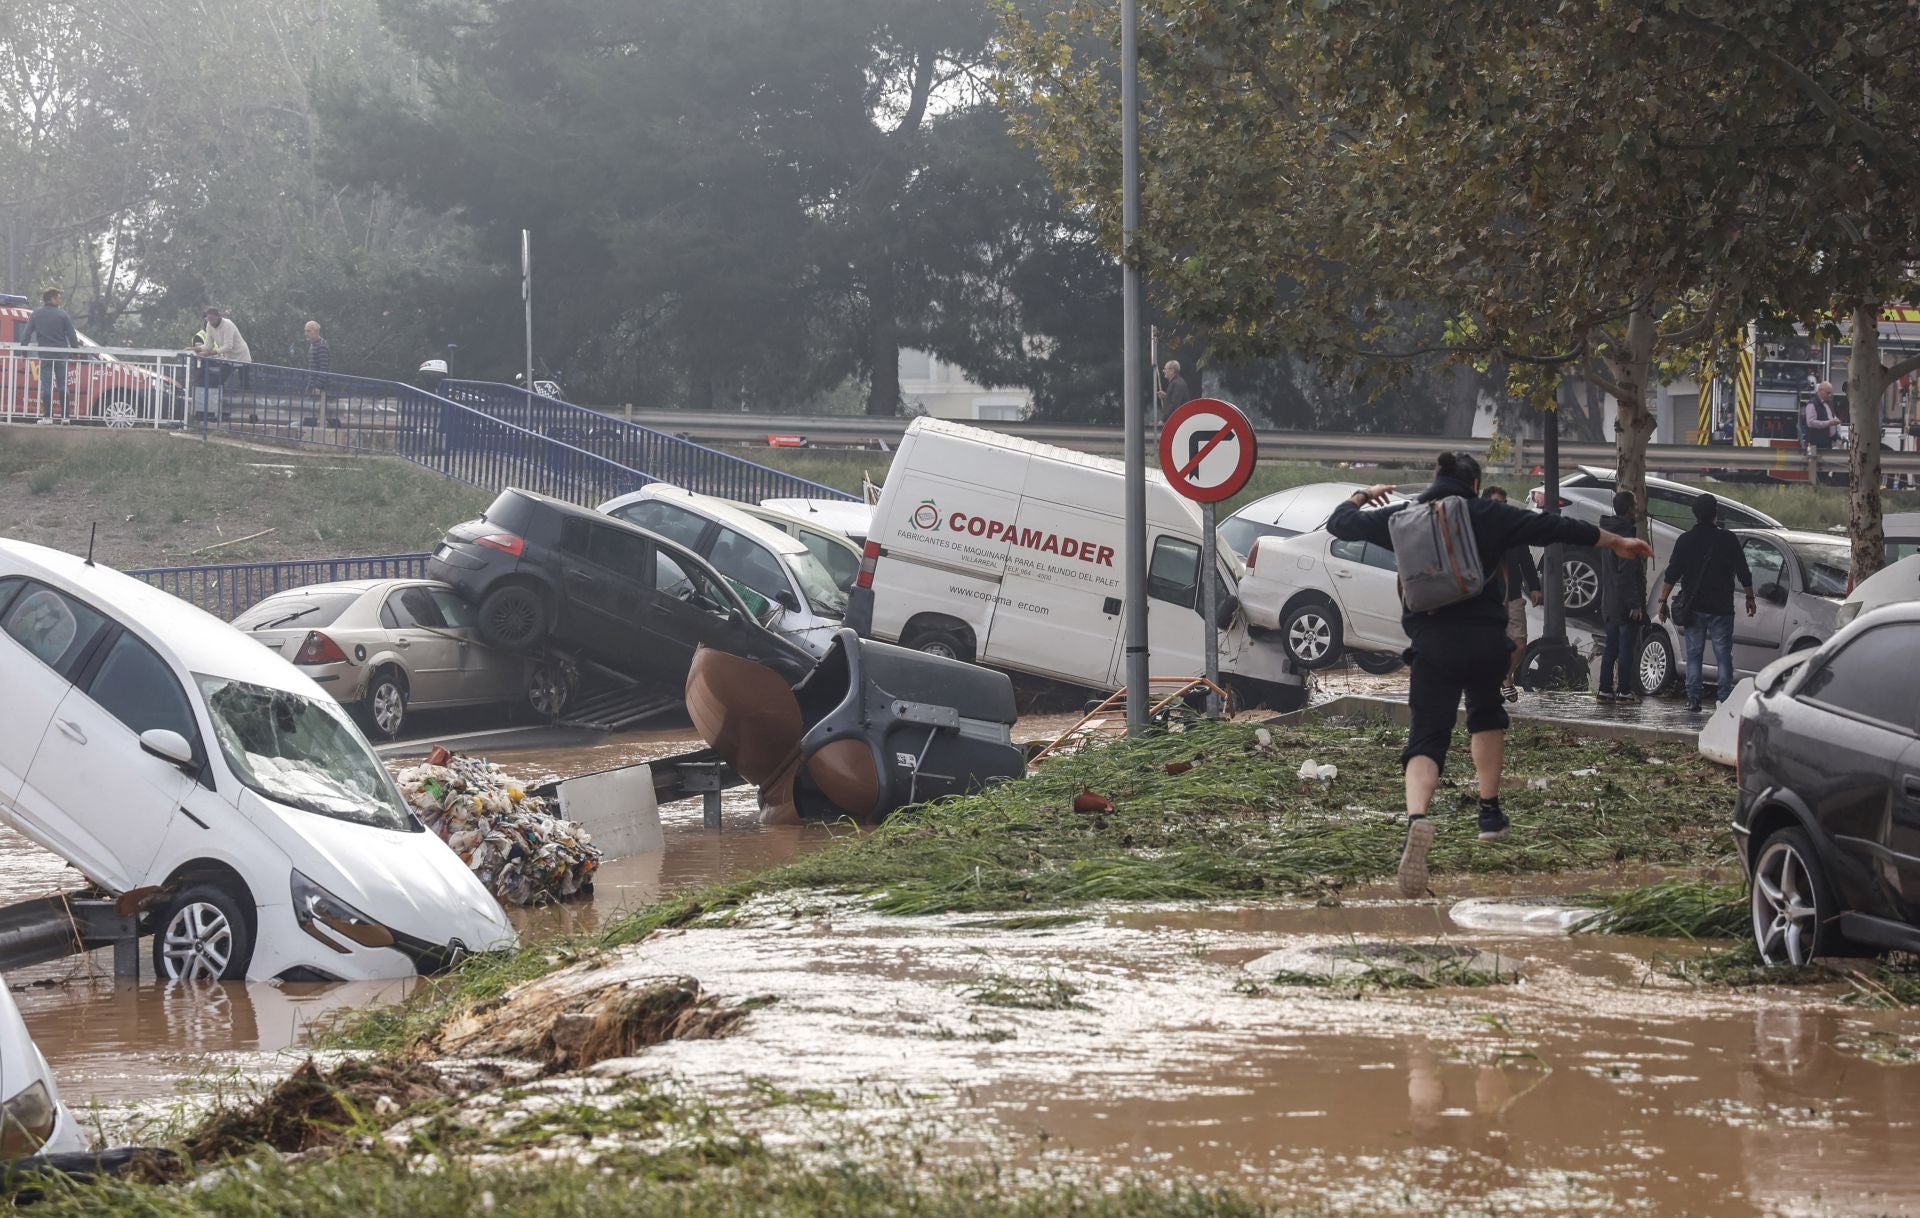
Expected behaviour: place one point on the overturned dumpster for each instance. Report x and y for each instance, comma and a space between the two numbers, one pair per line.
872, 728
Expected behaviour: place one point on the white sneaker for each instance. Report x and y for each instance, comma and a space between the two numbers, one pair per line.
1413, 857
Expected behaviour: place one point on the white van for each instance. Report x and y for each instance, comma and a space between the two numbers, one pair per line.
993, 548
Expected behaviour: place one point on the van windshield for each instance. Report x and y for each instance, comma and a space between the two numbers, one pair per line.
302, 752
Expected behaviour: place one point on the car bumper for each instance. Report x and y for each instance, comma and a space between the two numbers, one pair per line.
283, 948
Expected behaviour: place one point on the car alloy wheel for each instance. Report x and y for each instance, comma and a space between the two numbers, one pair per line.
1310, 637
1580, 584
548, 690
118, 412
387, 705
196, 943
1786, 901
1655, 668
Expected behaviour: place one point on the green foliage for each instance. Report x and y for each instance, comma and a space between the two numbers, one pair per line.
1681, 908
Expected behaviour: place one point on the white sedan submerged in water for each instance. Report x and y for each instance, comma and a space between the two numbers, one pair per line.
163, 753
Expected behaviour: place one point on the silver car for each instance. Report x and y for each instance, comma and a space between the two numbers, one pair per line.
385, 647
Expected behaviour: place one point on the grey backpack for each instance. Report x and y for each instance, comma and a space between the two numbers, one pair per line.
1438, 558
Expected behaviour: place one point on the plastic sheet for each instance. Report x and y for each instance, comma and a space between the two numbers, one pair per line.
521, 850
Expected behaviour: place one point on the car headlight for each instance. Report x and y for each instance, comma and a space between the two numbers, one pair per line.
314, 907
27, 1120
1846, 613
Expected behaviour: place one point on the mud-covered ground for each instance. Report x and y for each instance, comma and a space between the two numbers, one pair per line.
1202, 1001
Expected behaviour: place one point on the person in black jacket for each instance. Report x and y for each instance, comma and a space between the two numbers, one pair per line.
1623, 600
1706, 561
1523, 586
1462, 648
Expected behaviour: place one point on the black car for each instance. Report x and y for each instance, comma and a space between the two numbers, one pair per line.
549, 574
1829, 813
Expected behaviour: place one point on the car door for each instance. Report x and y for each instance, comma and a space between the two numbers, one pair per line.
1176, 633
1366, 582
417, 630
606, 569
687, 609
1847, 748
43, 637
1756, 639
485, 675
107, 801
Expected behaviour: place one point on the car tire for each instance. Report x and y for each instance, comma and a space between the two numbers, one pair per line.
1250, 693
1654, 666
939, 642
1792, 904
549, 690
513, 617
1800, 645
119, 411
1378, 663
385, 706
202, 935
1312, 634
1580, 582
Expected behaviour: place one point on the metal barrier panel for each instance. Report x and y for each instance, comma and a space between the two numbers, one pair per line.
226, 590
666, 458
108, 386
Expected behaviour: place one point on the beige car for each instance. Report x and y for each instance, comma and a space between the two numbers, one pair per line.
386, 647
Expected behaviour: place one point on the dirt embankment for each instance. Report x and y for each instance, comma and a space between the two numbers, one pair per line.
161, 499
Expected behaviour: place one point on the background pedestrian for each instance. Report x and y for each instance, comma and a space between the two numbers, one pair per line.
50, 326
1173, 388
1523, 587
1461, 650
1705, 563
319, 363
1623, 600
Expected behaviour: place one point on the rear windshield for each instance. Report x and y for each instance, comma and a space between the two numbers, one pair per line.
510, 510
1241, 533
306, 610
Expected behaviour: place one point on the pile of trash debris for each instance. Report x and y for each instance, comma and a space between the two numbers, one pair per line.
514, 842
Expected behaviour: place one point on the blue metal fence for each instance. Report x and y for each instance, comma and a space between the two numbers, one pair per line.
228, 589
665, 457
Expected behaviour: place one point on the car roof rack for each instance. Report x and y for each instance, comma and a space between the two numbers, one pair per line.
7, 298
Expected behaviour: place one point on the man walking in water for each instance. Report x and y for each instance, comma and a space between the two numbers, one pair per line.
1462, 649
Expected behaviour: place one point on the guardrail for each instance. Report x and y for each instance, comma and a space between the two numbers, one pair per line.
667, 458
228, 589
110, 386
1275, 445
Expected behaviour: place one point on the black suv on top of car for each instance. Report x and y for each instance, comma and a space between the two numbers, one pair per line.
549, 574
1829, 811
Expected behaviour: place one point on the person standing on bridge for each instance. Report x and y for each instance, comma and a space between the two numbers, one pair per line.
1173, 390
319, 364
1462, 649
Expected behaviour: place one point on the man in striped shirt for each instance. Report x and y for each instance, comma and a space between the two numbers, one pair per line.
319, 363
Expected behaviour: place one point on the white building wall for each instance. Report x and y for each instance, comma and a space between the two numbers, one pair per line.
943, 391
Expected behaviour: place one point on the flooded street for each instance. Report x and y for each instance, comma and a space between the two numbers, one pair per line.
1149, 1043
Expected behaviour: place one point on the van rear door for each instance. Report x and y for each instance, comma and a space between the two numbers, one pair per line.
1058, 611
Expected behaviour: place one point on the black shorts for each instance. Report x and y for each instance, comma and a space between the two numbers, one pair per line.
1469, 660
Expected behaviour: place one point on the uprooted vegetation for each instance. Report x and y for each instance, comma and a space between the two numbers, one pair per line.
1239, 824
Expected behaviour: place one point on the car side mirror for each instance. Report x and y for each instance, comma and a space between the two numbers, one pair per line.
787, 600
1224, 611
169, 746
1773, 593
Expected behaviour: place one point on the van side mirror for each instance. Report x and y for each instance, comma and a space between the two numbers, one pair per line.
169, 746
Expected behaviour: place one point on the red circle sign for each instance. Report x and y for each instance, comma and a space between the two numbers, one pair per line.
1207, 450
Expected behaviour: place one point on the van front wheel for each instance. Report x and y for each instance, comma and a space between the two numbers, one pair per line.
947, 644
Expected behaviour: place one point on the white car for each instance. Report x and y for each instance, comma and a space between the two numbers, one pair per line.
751, 553
33, 1121
1892, 584
162, 753
835, 550
1288, 513
388, 647
846, 517
1326, 598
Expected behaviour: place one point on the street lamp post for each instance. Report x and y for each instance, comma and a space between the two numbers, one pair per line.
1135, 543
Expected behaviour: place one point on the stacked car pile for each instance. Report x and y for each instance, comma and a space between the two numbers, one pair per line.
514, 842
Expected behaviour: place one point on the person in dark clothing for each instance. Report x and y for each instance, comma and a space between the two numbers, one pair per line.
50, 326
1706, 561
1623, 599
1523, 586
319, 363
1462, 648
1173, 388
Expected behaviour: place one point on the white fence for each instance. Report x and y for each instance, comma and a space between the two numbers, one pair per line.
104, 386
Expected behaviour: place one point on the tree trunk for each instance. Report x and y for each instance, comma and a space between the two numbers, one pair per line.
700, 384
883, 343
1462, 402
1866, 385
1634, 423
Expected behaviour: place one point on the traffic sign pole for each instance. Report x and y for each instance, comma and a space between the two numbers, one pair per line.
1134, 541
1207, 452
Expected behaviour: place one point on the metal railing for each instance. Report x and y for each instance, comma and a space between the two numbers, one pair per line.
110, 386
665, 457
227, 590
